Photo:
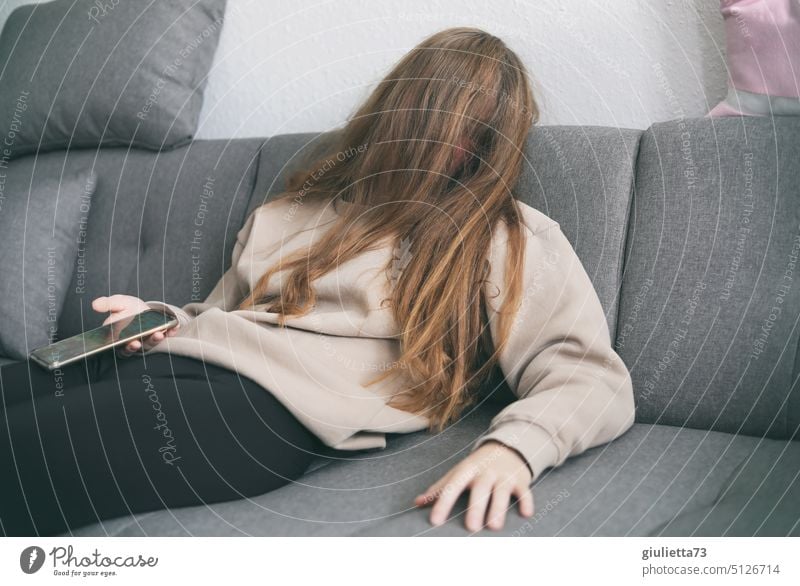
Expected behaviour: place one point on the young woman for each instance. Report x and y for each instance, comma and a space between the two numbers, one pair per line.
393, 277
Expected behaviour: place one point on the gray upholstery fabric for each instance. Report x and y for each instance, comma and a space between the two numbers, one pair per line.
793, 406
281, 156
43, 214
163, 224
630, 487
712, 249
580, 176
80, 73
760, 498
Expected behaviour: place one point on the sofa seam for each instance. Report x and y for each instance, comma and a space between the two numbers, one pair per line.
256, 174
622, 255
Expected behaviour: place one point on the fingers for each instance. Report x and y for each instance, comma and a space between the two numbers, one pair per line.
448, 496
489, 500
525, 498
124, 351
119, 307
155, 338
479, 495
429, 496
106, 304
100, 304
147, 343
497, 510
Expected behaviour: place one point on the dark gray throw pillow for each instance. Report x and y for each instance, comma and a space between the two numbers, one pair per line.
42, 222
85, 73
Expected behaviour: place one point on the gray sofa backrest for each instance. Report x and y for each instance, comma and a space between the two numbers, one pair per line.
710, 298
161, 226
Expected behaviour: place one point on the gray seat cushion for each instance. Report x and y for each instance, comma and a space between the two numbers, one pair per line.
761, 497
632, 486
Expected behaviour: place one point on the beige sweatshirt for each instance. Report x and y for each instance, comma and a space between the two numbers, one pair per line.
574, 392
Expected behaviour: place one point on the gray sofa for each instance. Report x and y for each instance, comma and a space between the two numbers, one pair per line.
690, 232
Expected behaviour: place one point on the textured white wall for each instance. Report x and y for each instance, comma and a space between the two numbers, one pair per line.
305, 64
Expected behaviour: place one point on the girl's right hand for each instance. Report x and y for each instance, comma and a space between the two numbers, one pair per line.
122, 306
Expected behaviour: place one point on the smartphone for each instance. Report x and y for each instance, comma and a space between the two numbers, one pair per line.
108, 336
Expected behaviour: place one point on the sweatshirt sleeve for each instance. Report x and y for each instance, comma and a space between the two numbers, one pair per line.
573, 390
228, 291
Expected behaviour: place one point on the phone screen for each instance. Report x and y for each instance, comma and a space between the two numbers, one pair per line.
93, 341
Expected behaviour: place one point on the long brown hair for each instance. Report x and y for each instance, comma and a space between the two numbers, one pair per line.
429, 159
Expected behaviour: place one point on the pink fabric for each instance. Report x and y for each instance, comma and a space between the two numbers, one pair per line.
763, 44
723, 109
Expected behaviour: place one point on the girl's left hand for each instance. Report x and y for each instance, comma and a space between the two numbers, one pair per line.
493, 473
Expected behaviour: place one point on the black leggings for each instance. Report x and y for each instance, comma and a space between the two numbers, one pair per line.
107, 437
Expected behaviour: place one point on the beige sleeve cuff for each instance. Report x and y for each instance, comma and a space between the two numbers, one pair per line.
183, 317
532, 442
